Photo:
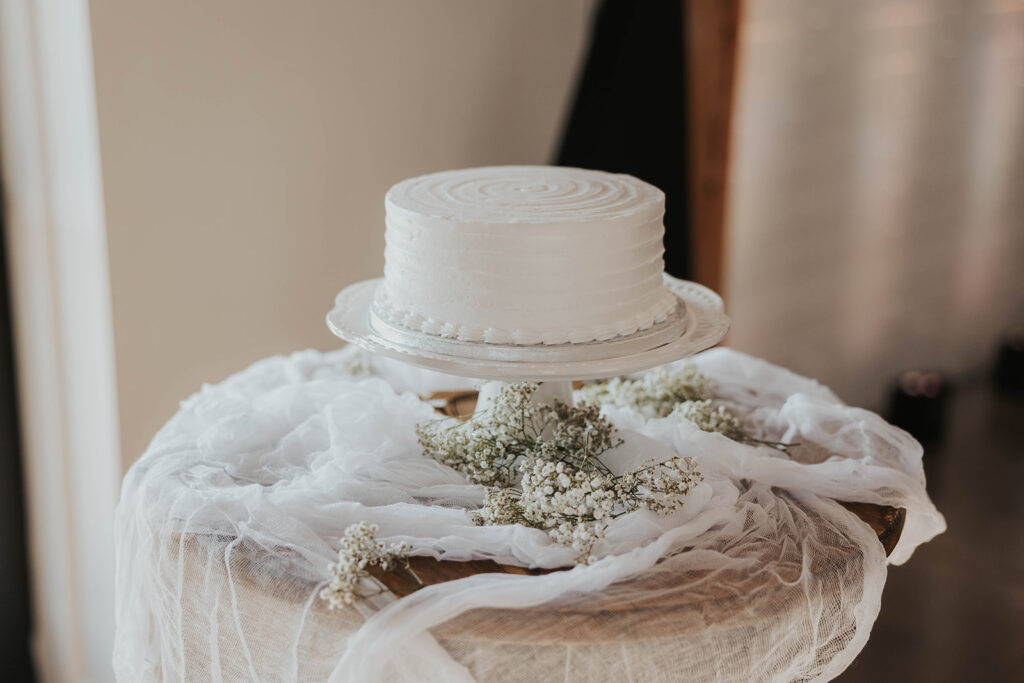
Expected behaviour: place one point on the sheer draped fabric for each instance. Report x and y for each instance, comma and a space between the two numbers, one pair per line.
228, 523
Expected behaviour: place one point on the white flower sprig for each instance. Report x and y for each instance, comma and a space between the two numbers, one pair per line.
711, 418
655, 394
486, 448
575, 506
543, 468
681, 391
360, 550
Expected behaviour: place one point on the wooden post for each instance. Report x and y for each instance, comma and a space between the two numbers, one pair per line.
711, 44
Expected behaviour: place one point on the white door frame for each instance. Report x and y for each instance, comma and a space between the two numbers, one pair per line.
56, 245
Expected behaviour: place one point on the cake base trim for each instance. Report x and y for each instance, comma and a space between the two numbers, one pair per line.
659, 334
387, 311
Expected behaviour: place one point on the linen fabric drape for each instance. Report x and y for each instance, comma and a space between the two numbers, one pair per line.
228, 523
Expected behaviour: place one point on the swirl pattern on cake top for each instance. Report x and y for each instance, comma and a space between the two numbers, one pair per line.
524, 255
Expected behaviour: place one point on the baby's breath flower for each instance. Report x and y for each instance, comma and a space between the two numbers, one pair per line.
655, 394
501, 506
359, 550
542, 466
681, 391
710, 418
660, 486
487, 447
575, 506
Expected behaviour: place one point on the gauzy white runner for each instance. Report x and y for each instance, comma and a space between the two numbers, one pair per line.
228, 522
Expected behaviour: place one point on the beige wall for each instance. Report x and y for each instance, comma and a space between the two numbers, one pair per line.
247, 146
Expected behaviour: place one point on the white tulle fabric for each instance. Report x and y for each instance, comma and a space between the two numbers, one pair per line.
227, 525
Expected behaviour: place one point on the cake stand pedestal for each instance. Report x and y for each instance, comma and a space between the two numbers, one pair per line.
547, 393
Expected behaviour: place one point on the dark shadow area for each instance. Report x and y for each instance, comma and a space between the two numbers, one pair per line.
15, 614
955, 611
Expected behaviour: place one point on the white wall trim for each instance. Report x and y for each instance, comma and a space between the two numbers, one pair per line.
63, 332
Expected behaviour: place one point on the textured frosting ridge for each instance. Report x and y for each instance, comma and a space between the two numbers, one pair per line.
524, 255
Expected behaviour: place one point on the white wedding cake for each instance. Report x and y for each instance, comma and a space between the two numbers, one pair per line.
524, 255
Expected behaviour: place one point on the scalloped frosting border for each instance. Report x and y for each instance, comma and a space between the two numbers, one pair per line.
384, 309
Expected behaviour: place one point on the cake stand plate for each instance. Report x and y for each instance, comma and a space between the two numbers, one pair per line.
698, 323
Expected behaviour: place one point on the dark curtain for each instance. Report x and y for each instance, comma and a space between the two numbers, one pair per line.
15, 624
629, 111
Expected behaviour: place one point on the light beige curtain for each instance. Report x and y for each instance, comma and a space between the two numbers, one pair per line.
60, 295
877, 198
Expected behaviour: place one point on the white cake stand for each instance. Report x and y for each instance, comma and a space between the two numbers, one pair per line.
699, 322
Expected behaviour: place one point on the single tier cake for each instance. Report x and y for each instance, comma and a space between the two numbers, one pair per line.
524, 255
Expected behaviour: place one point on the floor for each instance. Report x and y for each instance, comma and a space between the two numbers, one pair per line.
955, 611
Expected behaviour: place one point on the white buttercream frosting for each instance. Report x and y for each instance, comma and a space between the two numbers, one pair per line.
524, 255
